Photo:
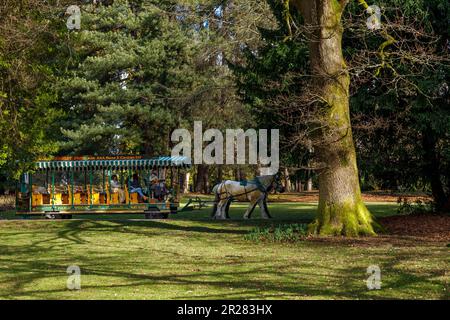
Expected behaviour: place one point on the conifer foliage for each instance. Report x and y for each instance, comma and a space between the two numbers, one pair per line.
130, 78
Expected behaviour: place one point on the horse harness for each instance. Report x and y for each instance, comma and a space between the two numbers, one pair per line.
259, 187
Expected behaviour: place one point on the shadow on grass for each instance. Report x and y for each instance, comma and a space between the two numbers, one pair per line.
46, 256
299, 212
255, 283
71, 230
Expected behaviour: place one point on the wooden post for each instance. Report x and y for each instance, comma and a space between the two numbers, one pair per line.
91, 196
53, 191
72, 190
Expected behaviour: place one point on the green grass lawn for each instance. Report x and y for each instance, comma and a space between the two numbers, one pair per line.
191, 256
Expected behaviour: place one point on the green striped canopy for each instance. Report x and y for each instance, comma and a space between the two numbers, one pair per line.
132, 164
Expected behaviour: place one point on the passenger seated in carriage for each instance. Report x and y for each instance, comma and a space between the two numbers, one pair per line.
154, 177
40, 190
135, 187
116, 188
157, 186
159, 190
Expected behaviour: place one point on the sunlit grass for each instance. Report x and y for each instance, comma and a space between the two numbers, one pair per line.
191, 256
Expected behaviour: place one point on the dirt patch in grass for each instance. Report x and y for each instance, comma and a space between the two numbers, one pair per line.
407, 230
393, 197
429, 226
313, 196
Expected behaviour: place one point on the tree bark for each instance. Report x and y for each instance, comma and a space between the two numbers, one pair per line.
219, 173
242, 174
341, 210
187, 176
206, 180
309, 182
202, 181
237, 174
287, 180
432, 171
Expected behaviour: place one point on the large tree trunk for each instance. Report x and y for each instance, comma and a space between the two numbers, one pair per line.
309, 182
237, 174
432, 171
186, 179
341, 210
219, 173
287, 180
202, 181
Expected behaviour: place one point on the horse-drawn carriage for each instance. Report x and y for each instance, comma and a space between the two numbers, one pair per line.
64, 186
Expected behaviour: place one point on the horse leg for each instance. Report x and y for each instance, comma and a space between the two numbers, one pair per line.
220, 213
217, 209
227, 208
217, 190
268, 216
214, 212
216, 203
264, 210
250, 209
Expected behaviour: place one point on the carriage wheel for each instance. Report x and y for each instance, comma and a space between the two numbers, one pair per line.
53, 216
156, 214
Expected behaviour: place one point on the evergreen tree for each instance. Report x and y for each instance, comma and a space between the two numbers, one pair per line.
271, 73
132, 78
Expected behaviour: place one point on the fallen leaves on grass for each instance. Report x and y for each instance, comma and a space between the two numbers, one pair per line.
404, 230
428, 226
313, 196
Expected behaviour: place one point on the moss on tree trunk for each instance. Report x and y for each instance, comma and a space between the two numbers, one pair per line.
341, 210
